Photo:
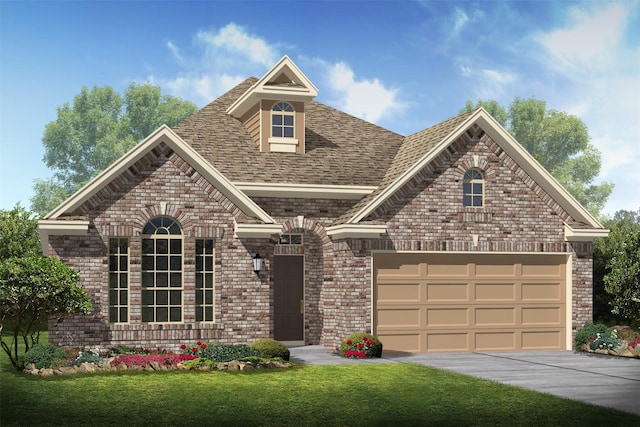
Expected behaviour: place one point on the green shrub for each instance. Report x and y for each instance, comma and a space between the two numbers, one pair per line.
43, 355
588, 333
88, 357
270, 348
606, 341
228, 352
360, 345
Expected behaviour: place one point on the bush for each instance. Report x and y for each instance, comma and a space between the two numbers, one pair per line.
88, 357
588, 333
361, 345
227, 353
270, 348
43, 355
606, 341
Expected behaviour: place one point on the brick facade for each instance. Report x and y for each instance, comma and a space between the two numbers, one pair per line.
425, 215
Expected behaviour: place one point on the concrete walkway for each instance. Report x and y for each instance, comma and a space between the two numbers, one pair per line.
600, 380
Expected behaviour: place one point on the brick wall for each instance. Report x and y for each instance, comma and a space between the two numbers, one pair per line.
425, 215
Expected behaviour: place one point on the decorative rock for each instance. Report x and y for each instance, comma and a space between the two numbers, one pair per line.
46, 372
155, 366
247, 367
623, 352
234, 365
88, 367
601, 351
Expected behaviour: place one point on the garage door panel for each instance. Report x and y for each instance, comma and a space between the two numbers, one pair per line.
399, 292
495, 291
495, 316
542, 291
495, 341
449, 292
447, 341
542, 316
543, 340
470, 302
447, 317
404, 317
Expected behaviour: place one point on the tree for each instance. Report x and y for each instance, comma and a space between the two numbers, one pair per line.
622, 252
31, 290
559, 141
18, 233
95, 131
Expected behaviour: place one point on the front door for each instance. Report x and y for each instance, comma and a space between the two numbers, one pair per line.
288, 298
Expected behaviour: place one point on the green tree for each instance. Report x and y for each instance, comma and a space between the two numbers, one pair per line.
559, 141
98, 128
621, 254
18, 233
31, 290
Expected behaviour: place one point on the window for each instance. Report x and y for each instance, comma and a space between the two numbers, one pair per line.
282, 120
473, 188
290, 239
162, 271
204, 280
118, 280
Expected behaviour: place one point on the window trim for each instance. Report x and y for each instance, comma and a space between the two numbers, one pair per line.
283, 112
155, 236
118, 271
204, 272
471, 178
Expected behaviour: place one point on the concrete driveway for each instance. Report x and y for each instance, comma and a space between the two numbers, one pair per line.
600, 380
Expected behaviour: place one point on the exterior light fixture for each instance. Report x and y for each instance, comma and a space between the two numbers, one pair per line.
257, 263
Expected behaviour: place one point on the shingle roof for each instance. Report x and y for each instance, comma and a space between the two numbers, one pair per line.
413, 149
340, 149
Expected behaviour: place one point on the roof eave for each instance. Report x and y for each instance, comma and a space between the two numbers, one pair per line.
356, 231
583, 235
255, 231
48, 227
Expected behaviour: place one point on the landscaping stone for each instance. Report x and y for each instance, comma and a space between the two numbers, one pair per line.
46, 372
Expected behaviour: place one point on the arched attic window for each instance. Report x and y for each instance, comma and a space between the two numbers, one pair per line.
162, 270
282, 120
473, 188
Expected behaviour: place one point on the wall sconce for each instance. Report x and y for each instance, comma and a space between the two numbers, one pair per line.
257, 263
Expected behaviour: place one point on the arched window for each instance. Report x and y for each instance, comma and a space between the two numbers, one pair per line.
473, 188
282, 120
162, 271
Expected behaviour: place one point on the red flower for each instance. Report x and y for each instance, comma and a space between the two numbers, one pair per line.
199, 343
183, 347
194, 350
369, 342
365, 339
203, 346
347, 352
362, 354
360, 346
349, 342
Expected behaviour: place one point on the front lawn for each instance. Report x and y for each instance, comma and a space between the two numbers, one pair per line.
368, 394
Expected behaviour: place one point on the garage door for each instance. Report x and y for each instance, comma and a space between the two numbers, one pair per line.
469, 302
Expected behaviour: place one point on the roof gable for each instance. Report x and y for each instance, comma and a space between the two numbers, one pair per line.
283, 81
167, 136
421, 148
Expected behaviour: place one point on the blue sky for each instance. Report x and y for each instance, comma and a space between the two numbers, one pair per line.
404, 65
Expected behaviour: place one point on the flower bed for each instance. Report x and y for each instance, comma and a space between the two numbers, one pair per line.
598, 338
202, 357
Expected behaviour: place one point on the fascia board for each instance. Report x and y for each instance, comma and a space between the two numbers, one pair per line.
169, 137
305, 191
352, 231
583, 235
255, 231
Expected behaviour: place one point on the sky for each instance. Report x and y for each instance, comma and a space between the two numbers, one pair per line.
404, 65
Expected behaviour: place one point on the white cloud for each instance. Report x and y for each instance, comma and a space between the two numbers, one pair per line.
367, 99
588, 44
487, 83
601, 82
222, 59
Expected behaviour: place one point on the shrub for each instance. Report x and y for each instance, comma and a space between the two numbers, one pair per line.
361, 345
87, 357
228, 352
270, 348
606, 341
43, 355
588, 333
166, 359
196, 350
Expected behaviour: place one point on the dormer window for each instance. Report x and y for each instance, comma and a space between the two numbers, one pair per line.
282, 120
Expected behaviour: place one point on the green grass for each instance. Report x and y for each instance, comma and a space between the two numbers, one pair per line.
371, 394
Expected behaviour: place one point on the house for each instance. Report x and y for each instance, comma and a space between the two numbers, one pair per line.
450, 239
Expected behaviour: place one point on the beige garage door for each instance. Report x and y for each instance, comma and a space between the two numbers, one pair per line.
469, 302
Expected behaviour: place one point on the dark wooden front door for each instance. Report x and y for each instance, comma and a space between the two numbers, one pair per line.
288, 298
